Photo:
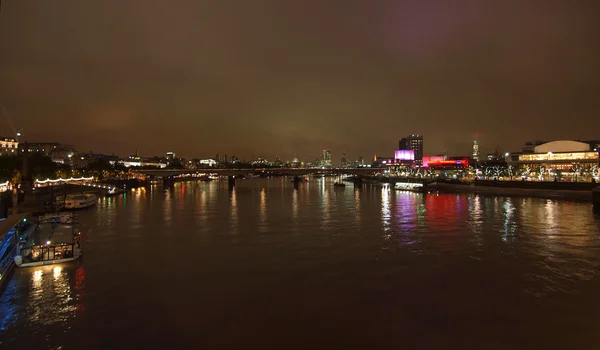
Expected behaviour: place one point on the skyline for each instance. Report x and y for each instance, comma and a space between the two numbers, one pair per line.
247, 79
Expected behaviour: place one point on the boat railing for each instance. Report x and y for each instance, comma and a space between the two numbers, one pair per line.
7, 261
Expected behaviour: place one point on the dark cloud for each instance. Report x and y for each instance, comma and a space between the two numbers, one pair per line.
291, 77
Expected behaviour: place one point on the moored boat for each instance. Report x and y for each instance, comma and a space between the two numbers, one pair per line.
51, 243
80, 201
409, 186
57, 218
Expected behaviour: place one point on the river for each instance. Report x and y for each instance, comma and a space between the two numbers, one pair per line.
266, 266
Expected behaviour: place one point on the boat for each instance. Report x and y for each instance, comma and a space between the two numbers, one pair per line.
80, 201
58, 218
51, 243
339, 184
409, 186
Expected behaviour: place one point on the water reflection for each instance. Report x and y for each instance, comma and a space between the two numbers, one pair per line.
385, 212
509, 228
357, 208
325, 205
331, 254
295, 205
50, 297
262, 210
233, 209
168, 209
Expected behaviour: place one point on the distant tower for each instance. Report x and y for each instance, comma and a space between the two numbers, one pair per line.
344, 162
326, 158
475, 151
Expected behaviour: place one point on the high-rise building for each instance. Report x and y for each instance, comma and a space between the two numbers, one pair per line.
326, 158
413, 143
361, 160
170, 155
475, 151
344, 162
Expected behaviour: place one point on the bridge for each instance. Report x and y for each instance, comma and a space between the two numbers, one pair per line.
101, 188
237, 172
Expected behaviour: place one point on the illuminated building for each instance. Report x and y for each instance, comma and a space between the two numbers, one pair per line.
9, 146
428, 159
475, 151
415, 144
326, 158
403, 155
447, 164
568, 160
344, 161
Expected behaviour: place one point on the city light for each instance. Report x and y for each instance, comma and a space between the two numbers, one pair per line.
64, 180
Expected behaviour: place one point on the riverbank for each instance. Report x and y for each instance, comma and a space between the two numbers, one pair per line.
578, 195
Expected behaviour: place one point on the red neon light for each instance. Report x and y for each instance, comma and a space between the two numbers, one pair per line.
463, 162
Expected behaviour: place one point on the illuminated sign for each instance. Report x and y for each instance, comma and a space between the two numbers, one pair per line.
428, 159
405, 155
453, 162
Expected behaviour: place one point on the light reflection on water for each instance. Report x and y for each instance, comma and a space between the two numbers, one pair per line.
371, 261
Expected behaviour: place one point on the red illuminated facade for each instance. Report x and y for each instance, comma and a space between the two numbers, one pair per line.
449, 163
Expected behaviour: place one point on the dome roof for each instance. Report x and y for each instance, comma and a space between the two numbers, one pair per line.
562, 146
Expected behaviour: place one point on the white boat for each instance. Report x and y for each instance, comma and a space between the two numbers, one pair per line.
80, 201
409, 186
51, 243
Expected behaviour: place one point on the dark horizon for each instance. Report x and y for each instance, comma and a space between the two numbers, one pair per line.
264, 78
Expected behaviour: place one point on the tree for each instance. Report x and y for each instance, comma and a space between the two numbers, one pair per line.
542, 172
64, 171
41, 167
511, 171
526, 171
576, 169
16, 178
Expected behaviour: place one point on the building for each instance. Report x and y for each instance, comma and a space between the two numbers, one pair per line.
556, 160
530, 145
326, 158
8, 146
404, 156
475, 154
45, 148
594, 144
344, 161
413, 143
430, 159
361, 161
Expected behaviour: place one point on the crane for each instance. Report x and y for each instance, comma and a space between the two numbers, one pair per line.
17, 133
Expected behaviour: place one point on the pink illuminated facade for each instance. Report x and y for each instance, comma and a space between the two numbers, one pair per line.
404, 155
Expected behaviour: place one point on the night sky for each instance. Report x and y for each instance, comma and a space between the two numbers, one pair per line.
265, 77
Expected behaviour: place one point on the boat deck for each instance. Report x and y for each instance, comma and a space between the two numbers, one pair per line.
44, 234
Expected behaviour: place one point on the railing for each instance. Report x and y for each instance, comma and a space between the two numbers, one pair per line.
7, 262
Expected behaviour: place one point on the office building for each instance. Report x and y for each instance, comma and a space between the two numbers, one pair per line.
413, 143
326, 158
475, 155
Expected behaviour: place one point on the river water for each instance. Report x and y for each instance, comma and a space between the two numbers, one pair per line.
265, 266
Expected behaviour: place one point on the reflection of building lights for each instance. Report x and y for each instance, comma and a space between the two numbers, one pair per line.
57, 270
37, 276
